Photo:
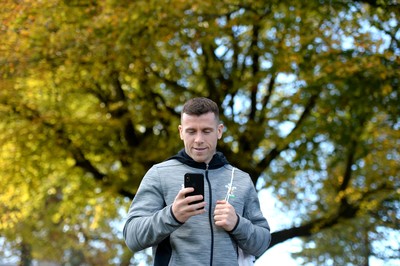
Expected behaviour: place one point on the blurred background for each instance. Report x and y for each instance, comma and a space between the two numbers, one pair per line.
90, 97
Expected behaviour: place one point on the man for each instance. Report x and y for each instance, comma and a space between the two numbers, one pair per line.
213, 231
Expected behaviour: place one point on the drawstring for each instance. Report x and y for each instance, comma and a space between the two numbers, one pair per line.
229, 193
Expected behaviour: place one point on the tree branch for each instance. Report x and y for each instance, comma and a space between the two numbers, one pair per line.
345, 209
308, 229
264, 163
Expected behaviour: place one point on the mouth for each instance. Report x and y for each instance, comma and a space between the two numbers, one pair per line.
199, 149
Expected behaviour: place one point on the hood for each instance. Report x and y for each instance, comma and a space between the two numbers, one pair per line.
217, 161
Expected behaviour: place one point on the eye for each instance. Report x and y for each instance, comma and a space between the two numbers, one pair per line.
191, 131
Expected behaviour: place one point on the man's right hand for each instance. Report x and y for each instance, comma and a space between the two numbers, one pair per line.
181, 207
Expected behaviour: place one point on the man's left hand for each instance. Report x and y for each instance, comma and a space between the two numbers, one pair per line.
225, 215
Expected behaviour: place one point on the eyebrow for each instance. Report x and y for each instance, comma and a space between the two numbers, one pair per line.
206, 128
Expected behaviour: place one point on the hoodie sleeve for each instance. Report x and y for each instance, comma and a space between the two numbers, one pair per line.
252, 232
149, 220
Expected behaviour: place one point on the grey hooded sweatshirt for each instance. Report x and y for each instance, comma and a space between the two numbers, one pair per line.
151, 223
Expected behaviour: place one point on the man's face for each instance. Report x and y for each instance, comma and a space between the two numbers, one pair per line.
200, 135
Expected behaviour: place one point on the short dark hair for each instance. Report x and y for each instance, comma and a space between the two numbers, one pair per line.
199, 106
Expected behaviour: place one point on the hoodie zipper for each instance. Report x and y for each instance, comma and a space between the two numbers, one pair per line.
210, 216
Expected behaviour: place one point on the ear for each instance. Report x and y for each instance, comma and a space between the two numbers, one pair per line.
220, 129
180, 128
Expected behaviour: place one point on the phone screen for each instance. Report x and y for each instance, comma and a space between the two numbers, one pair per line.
196, 181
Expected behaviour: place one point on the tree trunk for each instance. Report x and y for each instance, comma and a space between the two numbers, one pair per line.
26, 255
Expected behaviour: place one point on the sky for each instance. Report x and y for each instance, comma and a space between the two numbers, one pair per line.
281, 252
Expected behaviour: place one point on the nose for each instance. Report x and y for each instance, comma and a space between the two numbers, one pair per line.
199, 138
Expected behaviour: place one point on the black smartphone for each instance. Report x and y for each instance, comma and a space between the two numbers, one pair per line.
196, 181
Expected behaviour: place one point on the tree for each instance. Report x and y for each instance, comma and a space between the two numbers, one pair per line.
91, 95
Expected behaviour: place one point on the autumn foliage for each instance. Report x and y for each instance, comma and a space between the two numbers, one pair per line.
90, 96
